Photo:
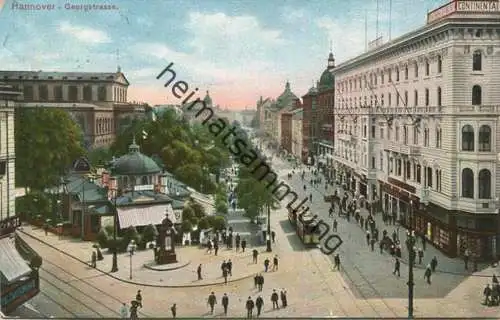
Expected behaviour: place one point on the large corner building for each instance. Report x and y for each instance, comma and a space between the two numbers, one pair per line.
417, 123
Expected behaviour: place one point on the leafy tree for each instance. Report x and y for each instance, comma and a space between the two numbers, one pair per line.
253, 195
199, 210
100, 156
149, 233
102, 238
217, 222
203, 223
186, 226
47, 142
131, 234
188, 213
221, 207
190, 174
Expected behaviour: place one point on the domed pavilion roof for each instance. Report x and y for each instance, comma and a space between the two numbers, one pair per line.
327, 80
135, 163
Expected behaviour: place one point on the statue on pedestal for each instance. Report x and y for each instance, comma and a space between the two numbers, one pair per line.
165, 250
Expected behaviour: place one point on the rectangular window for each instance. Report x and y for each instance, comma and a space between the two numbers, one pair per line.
373, 163
43, 92
415, 135
381, 133
389, 99
397, 133
373, 132
426, 97
28, 93
426, 137
58, 93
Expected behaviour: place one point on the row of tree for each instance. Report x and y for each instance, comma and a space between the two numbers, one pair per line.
48, 140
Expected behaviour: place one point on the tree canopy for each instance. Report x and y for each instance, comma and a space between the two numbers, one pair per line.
190, 151
47, 142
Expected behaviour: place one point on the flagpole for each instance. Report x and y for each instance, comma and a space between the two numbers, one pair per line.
390, 18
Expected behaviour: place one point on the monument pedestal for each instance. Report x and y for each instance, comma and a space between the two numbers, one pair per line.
166, 257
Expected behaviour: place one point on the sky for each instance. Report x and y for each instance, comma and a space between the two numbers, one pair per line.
237, 50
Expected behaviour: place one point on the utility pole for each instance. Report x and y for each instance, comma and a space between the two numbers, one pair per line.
411, 250
268, 236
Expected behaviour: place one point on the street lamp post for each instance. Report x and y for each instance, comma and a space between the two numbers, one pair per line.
131, 249
114, 193
411, 238
268, 236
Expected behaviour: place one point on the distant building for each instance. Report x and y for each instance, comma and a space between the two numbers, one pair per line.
297, 132
97, 101
8, 95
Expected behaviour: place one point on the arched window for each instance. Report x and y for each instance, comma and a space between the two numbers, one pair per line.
477, 61
467, 138
427, 68
476, 95
429, 177
439, 96
484, 184
416, 70
439, 64
397, 73
467, 183
485, 138
406, 72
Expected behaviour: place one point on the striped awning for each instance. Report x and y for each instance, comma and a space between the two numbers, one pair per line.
139, 216
12, 265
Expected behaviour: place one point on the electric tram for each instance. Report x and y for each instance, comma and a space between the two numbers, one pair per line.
306, 227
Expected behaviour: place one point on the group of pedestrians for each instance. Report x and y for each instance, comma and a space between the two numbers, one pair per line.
492, 293
250, 304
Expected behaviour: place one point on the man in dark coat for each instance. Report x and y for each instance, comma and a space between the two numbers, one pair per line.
238, 242
256, 280
255, 254
212, 301
275, 263
243, 245
427, 274
224, 274
397, 266
138, 298
434, 263
260, 282
273, 236
216, 248
223, 266
266, 264
259, 303
249, 305
229, 266
225, 303
283, 298
274, 299
198, 271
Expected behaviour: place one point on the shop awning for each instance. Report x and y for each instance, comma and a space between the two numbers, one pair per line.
12, 265
139, 216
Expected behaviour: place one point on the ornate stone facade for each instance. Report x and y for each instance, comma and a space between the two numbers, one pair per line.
416, 126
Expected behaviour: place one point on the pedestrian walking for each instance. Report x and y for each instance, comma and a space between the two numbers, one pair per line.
283, 298
198, 271
335, 225
229, 266
243, 245
173, 309
372, 244
225, 303
212, 301
420, 255
275, 263
427, 274
238, 242
266, 264
260, 282
225, 274
216, 247
249, 305
133, 310
274, 299
255, 254
381, 246
368, 238
487, 294
273, 236
423, 241
434, 263
397, 266
124, 311
466, 259
94, 259
259, 303
336, 261
138, 298
256, 281
223, 266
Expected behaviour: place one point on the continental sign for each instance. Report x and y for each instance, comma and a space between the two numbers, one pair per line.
469, 6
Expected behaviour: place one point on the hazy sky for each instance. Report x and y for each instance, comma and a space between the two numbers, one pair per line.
238, 50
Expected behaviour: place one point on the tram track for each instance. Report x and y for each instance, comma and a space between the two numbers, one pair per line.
54, 277
358, 286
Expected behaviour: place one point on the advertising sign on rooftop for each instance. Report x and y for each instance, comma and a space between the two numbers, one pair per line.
464, 6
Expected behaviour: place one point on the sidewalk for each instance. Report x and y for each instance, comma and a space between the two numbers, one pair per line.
184, 276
